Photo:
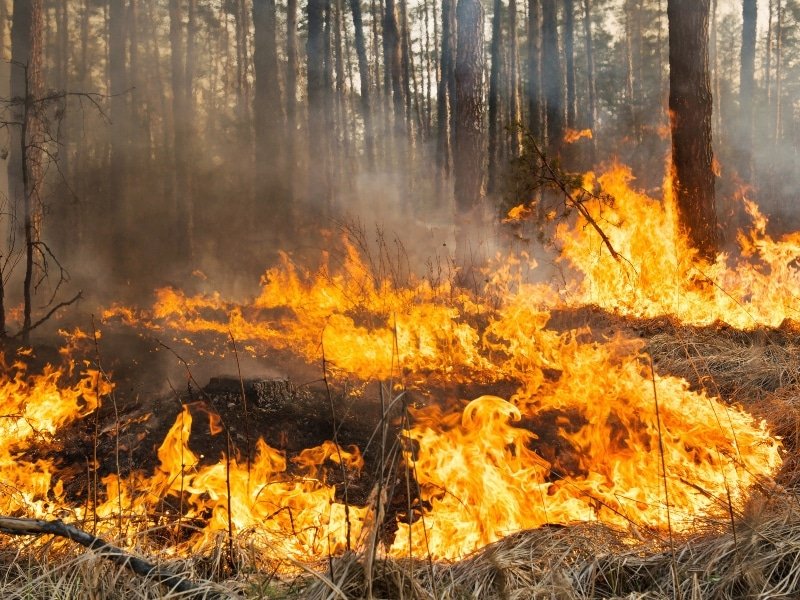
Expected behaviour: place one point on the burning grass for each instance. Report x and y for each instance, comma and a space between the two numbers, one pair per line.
506, 456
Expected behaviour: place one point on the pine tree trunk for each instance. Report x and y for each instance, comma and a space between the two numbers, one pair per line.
569, 56
468, 150
591, 109
271, 197
746, 87
514, 116
392, 53
317, 134
690, 110
291, 97
118, 168
552, 77
778, 70
535, 104
184, 227
444, 99
363, 71
495, 76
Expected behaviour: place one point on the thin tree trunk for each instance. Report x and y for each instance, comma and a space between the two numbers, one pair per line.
427, 65
291, 96
552, 77
444, 100
569, 55
495, 76
343, 152
778, 69
768, 54
118, 171
364, 76
180, 141
513, 80
315, 56
271, 198
535, 104
715, 82
393, 52
591, 111
746, 87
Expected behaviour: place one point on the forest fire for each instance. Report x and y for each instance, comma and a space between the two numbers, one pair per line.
624, 445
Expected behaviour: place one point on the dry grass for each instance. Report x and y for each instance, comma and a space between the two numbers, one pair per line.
760, 560
757, 558
55, 571
732, 364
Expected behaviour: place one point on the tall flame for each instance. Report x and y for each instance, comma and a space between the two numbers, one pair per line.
591, 431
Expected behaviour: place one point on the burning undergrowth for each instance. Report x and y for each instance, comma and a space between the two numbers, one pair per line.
439, 420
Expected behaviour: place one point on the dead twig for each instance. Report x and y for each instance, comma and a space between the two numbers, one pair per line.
139, 566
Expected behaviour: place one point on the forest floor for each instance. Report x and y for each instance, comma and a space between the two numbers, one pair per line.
757, 556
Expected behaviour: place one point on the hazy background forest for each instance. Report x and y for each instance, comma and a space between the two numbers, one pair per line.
185, 141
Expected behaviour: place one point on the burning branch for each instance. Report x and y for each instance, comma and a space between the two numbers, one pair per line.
139, 566
576, 203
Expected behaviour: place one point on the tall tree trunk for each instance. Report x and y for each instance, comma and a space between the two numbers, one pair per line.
317, 145
569, 57
468, 149
363, 72
406, 74
25, 168
629, 107
715, 74
242, 85
444, 98
746, 87
591, 109
392, 53
514, 116
778, 69
690, 107
535, 104
342, 126
427, 67
495, 76
271, 198
118, 171
552, 88
768, 54
180, 140
291, 97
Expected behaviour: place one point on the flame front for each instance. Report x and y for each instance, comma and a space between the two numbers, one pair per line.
591, 431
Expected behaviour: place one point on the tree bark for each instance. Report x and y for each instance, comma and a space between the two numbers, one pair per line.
535, 104
363, 72
690, 105
317, 135
551, 77
746, 87
291, 97
495, 76
569, 57
469, 138
271, 197
513, 80
591, 109
180, 138
444, 97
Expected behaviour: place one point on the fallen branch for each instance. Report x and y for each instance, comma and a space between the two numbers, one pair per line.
176, 583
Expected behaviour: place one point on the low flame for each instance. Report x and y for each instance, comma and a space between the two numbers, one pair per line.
622, 445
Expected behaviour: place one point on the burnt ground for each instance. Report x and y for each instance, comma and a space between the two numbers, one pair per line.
293, 408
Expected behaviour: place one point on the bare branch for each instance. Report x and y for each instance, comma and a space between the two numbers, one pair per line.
139, 566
